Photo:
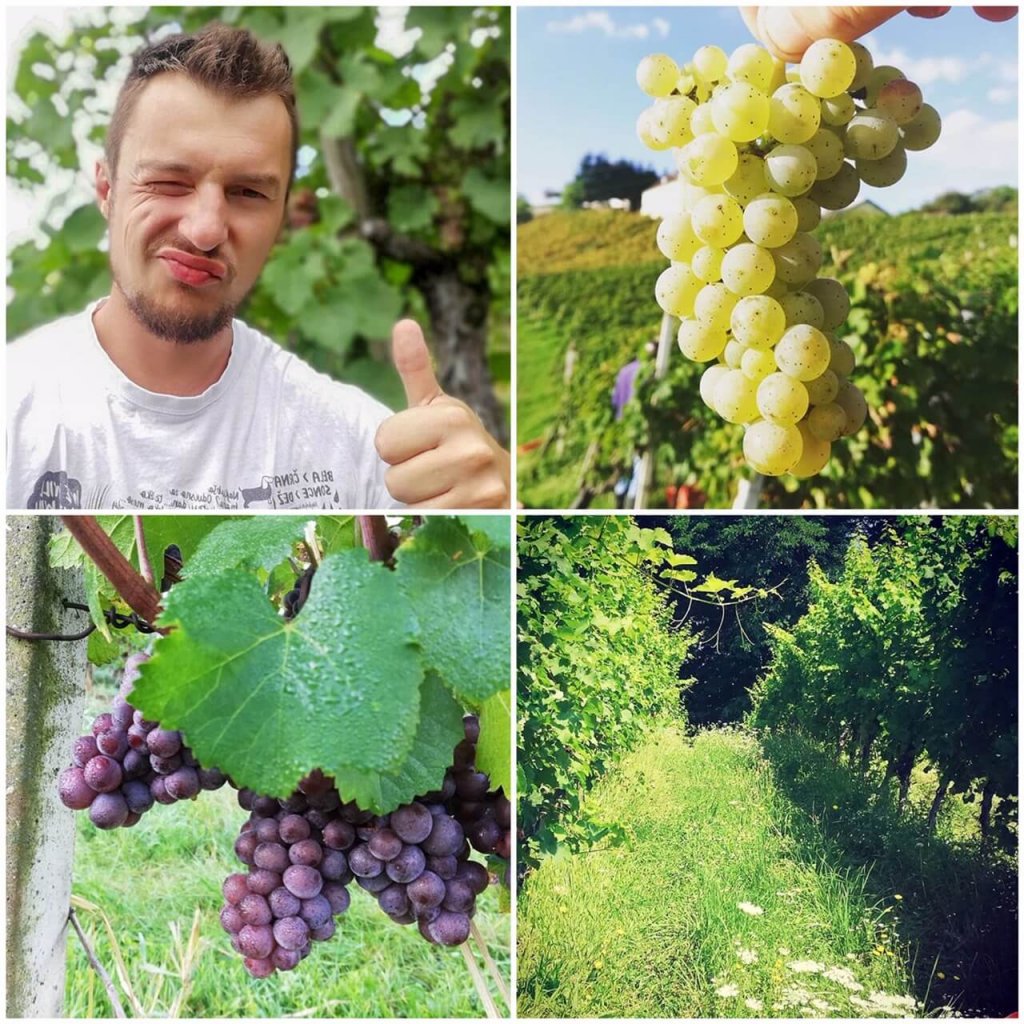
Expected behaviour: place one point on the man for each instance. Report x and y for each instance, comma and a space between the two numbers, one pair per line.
157, 397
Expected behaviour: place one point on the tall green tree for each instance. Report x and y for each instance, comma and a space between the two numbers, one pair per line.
402, 201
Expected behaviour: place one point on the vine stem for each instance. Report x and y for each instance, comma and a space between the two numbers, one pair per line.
479, 981
145, 565
492, 967
377, 537
96, 965
138, 594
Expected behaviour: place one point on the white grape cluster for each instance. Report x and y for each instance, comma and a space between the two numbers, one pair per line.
761, 149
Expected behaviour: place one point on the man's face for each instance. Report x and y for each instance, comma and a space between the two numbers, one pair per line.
195, 205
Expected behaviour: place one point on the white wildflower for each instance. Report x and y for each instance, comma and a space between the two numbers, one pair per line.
728, 991
784, 951
751, 908
747, 956
805, 966
843, 976
753, 1004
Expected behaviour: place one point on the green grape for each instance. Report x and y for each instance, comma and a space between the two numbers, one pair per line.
842, 360
747, 269
676, 290
645, 130
707, 264
771, 449
708, 159
793, 114
656, 74
757, 363
700, 341
924, 130
814, 454
871, 135
733, 354
748, 180
827, 149
709, 380
803, 308
736, 398
885, 172
798, 260
769, 220
711, 63
702, 122
781, 399
790, 170
823, 389
851, 401
718, 220
865, 65
752, 64
827, 68
900, 99
877, 80
757, 321
808, 213
676, 238
714, 305
834, 300
838, 110
739, 111
777, 290
688, 80
670, 123
803, 352
839, 191
826, 422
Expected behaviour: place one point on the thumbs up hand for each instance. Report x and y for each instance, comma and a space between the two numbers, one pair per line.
438, 452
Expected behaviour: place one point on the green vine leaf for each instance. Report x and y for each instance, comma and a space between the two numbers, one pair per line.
423, 769
462, 592
261, 542
493, 752
267, 700
496, 527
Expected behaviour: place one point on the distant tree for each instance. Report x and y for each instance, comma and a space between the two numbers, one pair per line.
524, 212
950, 203
572, 195
600, 179
1001, 199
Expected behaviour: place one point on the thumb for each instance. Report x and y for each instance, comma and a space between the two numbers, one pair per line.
412, 361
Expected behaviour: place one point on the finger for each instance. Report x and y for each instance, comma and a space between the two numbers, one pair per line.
412, 361
788, 31
411, 431
425, 478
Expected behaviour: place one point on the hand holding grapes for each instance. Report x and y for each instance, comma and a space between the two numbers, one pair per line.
788, 31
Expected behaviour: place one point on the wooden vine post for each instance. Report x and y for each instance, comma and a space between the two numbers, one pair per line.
45, 703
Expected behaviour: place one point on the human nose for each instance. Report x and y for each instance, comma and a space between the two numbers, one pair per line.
205, 224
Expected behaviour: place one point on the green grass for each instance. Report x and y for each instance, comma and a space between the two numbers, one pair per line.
152, 879
666, 925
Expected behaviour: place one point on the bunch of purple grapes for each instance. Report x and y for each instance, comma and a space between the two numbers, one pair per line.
486, 817
128, 763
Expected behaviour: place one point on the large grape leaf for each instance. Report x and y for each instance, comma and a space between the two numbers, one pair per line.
336, 533
494, 748
267, 700
461, 594
259, 542
496, 527
423, 769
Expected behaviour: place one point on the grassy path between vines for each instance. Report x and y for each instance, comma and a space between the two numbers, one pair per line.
731, 898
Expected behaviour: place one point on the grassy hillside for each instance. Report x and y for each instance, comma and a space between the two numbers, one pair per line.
933, 324
762, 880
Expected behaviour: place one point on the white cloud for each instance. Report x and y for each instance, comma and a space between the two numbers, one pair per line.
972, 152
1000, 94
924, 70
602, 21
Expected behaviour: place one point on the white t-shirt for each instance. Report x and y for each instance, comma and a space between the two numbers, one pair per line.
270, 433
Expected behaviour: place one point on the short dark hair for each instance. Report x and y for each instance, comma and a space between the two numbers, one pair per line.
225, 60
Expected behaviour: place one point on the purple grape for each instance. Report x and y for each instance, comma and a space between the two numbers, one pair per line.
211, 778
182, 784
338, 896
316, 911
164, 742
385, 845
374, 885
259, 967
471, 728
137, 795
245, 848
103, 774
426, 891
459, 897
165, 765
291, 932
339, 835
306, 851
245, 798
447, 929
256, 940
135, 764
254, 909
324, 932
334, 865
468, 785
446, 837
409, 864
394, 901
73, 789
102, 723
302, 881
158, 787
137, 740
485, 834
122, 713
132, 819
83, 750
295, 804
272, 856
292, 828
412, 823
235, 888
443, 867
264, 806
108, 810
231, 919
268, 831
283, 903
285, 959
474, 874
263, 882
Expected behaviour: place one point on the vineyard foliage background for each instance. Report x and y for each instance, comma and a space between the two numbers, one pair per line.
933, 323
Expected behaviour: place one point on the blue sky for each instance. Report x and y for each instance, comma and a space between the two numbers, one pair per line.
576, 90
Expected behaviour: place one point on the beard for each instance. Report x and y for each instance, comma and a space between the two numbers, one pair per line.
172, 325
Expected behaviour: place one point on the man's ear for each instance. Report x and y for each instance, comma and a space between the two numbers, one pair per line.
104, 185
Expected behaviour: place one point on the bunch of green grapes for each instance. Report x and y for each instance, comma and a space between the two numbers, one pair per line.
761, 149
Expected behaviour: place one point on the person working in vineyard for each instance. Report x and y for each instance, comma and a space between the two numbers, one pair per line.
156, 396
